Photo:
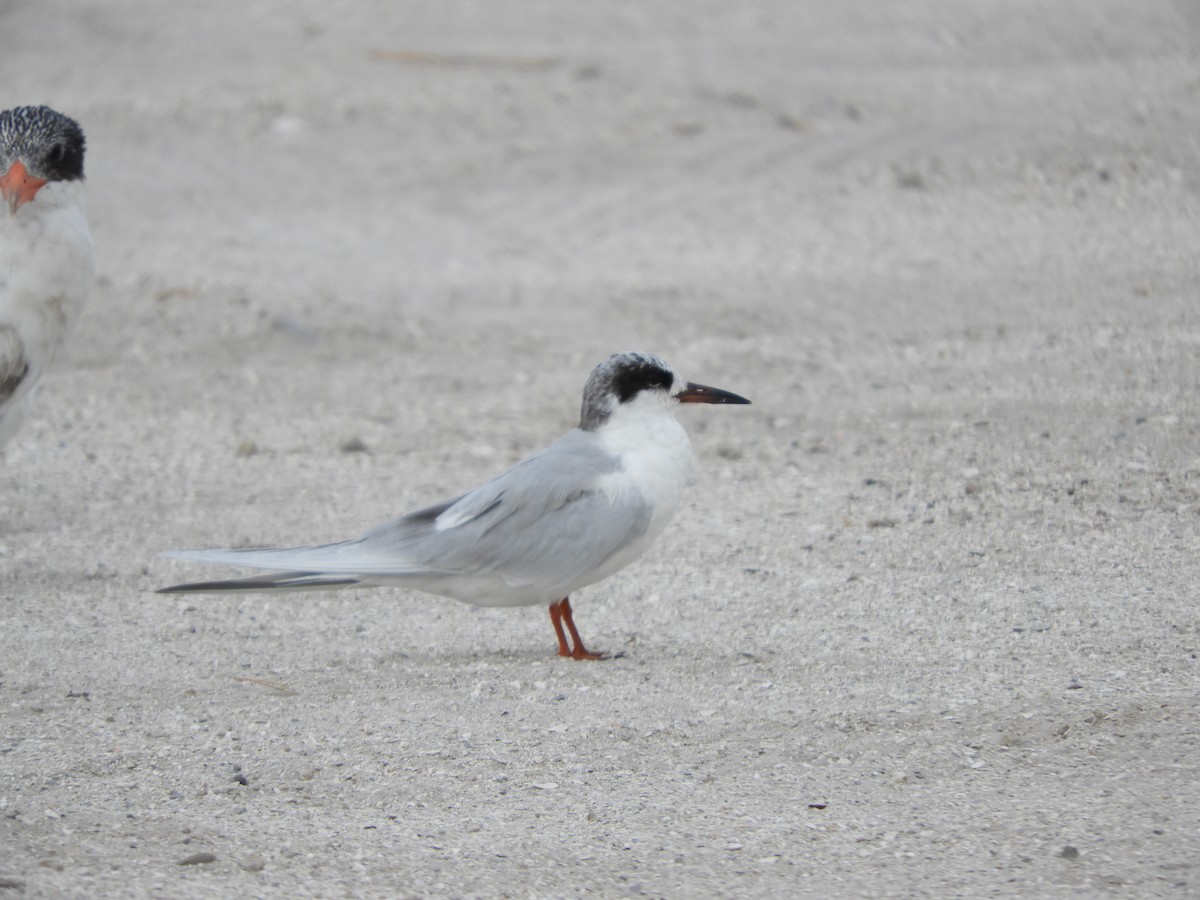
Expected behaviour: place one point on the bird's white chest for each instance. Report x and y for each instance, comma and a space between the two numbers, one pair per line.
46, 270
656, 459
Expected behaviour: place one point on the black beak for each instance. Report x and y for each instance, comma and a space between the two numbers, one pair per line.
700, 393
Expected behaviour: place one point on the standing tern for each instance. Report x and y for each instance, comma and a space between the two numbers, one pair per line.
567, 516
45, 248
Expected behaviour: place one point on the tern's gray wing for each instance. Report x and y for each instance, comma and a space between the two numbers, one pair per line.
548, 519
14, 364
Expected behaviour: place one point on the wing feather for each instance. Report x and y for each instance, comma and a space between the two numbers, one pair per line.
539, 522
14, 365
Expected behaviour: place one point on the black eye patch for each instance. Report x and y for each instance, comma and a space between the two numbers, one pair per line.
632, 378
64, 160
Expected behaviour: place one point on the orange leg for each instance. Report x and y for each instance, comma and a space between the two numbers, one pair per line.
560, 613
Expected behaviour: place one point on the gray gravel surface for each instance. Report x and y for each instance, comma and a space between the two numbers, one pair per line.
927, 622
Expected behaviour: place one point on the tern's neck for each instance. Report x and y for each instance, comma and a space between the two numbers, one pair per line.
646, 437
46, 253
655, 459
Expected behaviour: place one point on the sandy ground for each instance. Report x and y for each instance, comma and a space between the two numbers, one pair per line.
927, 624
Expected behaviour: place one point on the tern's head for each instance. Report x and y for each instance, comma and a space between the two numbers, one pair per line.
641, 381
37, 146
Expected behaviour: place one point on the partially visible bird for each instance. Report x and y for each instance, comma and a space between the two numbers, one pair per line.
46, 266
567, 516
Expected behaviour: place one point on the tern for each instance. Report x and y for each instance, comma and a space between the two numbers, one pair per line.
46, 266
568, 516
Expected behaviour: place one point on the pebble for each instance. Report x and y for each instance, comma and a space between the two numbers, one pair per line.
197, 859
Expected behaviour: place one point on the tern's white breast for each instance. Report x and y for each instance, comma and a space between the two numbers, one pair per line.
46, 269
656, 458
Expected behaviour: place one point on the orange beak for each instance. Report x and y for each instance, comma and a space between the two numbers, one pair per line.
19, 187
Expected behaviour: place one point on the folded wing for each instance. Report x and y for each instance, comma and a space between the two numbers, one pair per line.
547, 520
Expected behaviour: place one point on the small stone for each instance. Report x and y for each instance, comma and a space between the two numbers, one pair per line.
1069, 852
355, 445
908, 178
197, 859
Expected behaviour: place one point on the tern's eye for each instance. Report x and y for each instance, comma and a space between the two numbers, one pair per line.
56, 154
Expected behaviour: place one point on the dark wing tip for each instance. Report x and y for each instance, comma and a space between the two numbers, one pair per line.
196, 586
277, 581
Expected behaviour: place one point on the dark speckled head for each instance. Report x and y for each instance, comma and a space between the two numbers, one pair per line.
49, 144
618, 380
623, 376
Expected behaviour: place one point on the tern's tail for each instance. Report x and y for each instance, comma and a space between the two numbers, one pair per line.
273, 581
